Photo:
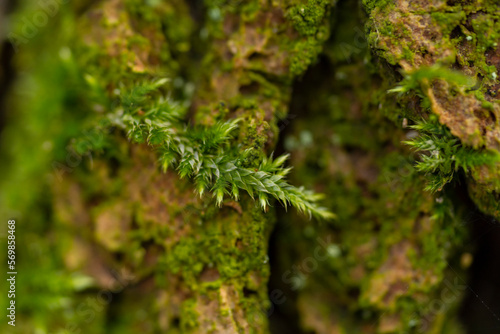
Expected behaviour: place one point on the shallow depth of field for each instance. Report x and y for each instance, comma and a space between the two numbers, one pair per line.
228, 166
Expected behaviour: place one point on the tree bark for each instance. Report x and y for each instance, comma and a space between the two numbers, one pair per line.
308, 77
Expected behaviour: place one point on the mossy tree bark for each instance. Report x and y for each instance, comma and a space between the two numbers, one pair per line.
397, 251
197, 268
175, 262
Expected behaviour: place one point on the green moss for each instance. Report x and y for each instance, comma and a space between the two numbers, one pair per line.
371, 182
310, 21
304, 54
487, 31
377, 4
486, 201
307, 18
448, 21
188, 315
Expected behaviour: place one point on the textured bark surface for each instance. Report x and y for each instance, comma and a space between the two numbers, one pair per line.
464, 36
308, 77
197, 268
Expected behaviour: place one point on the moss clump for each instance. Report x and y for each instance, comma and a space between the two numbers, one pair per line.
304, 54
188, 316
310, 21
376, 4
448, 21
308, 18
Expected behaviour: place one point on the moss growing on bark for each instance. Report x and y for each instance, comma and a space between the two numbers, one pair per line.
200, 268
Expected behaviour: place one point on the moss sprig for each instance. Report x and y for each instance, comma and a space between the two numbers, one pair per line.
443, 154
413, 80
208, 155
